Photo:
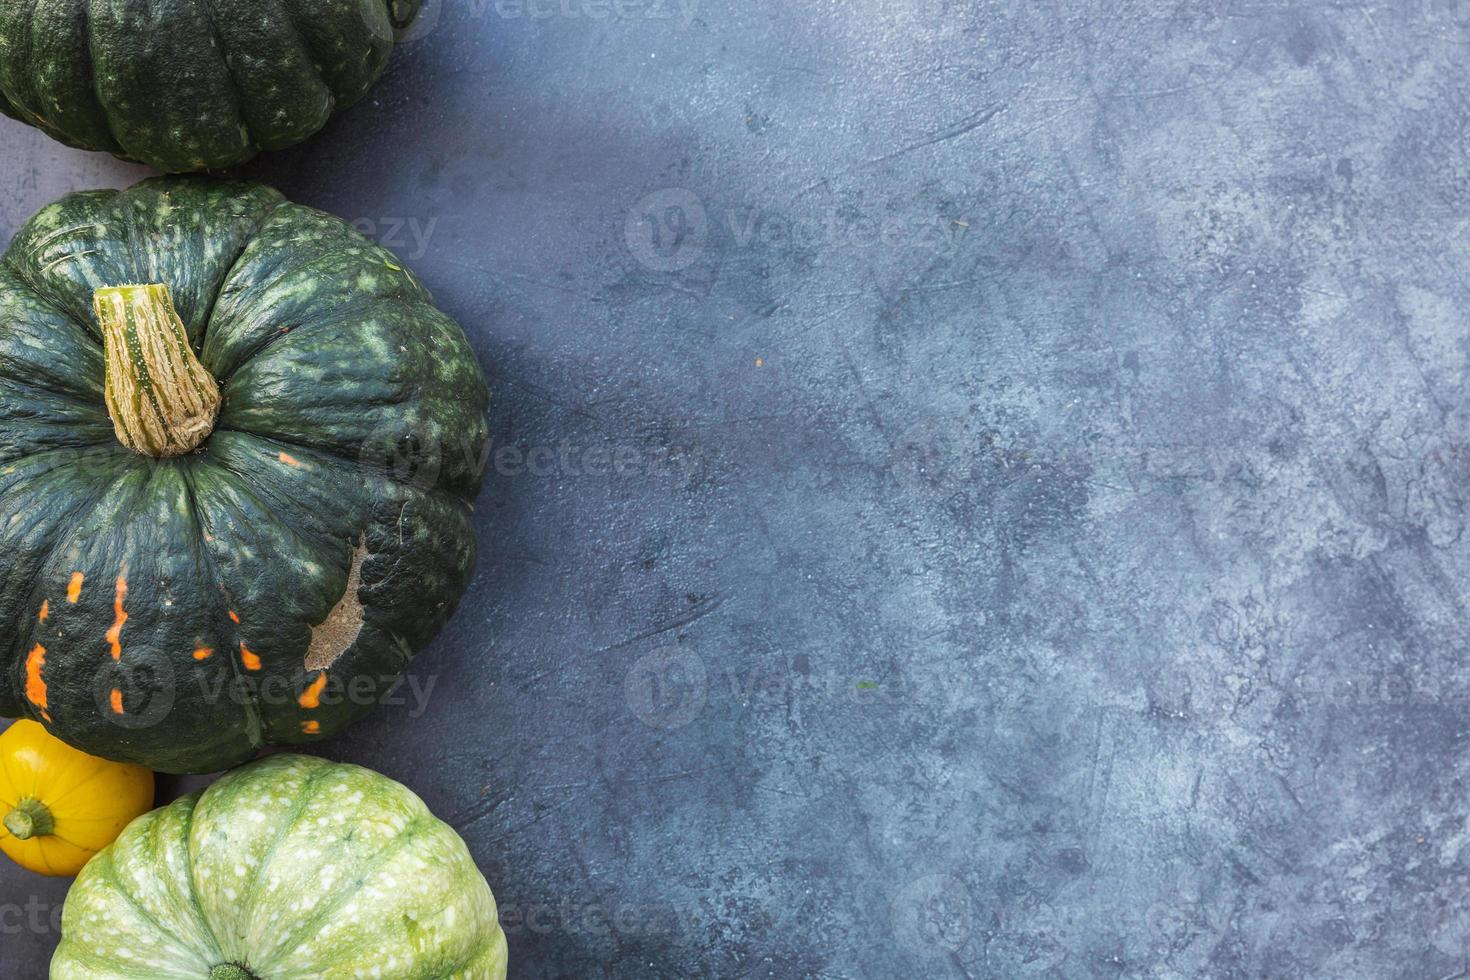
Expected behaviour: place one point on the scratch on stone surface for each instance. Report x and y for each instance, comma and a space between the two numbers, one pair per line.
542, 394
960, 128
521, 828
549, 284
1098, 795
1291, 794
868, 402
652, 780
701, 611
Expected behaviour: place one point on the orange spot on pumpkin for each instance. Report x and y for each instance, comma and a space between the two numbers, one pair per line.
290, 460
45, 610
117, 708
250, 660
74, 587
35, 683
114, 635
312, 696
203, 653
234, 617
311, 727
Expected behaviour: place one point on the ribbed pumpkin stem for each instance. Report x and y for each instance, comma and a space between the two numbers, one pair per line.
30, 818
402, 13
161, 399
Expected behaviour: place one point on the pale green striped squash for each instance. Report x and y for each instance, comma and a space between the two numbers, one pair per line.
291, 868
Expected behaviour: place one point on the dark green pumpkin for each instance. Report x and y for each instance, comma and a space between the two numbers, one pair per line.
268, 585
186, 85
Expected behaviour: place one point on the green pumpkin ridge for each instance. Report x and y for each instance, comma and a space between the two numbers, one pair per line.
187, 85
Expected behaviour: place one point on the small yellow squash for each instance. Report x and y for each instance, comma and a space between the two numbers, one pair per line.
60, 806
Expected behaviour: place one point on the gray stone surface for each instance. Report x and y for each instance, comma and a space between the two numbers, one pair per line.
1001, 489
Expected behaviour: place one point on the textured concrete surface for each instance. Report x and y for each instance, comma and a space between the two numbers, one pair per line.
984, 484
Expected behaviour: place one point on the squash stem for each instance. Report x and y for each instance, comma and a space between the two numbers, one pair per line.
161, 399
30, 818
402, 13
231, 971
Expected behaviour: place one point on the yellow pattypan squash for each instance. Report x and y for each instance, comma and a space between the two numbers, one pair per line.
58, 805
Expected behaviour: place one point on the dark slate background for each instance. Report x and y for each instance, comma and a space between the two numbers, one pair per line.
998, 500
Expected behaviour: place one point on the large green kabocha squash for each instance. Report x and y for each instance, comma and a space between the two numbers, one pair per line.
185, 85
200, 555
289, 869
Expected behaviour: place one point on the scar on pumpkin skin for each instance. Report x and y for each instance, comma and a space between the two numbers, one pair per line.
234, 617
117, 707
35, 683
45, 610
74, 587
249, 659
311, 727
290, 460
114, 635
332, 636
203, 653
312, 696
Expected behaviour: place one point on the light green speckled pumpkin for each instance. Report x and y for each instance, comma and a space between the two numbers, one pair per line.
292, 868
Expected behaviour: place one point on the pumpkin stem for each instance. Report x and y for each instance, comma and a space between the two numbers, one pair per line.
402, 13
161, 399
30, 818
231, 971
